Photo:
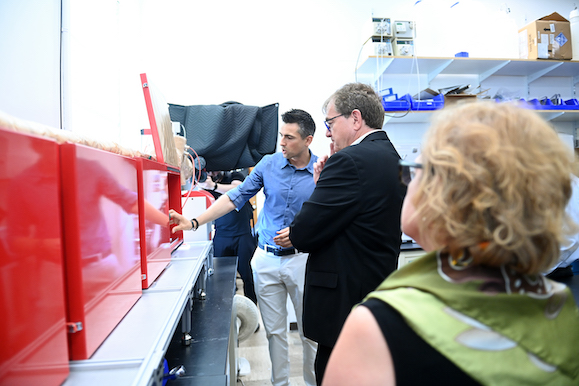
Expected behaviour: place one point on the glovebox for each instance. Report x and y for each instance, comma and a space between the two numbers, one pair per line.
101, 239
33, 343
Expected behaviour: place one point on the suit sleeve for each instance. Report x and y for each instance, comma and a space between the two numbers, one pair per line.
332, 206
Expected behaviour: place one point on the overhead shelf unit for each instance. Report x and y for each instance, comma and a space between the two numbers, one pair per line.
530, 78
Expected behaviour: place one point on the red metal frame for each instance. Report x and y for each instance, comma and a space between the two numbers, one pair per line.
152, 121
155, 181
174, 181
154, 258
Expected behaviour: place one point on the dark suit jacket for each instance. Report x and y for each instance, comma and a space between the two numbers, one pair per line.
351, 228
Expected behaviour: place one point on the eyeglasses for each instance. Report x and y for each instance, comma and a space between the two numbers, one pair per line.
327, 121
407, 170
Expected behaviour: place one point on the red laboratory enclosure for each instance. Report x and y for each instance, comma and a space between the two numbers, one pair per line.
33, 346
101, 240
159, 191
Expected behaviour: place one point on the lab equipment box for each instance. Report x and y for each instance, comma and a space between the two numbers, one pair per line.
546, 38
101, 239
159, 191
33, 342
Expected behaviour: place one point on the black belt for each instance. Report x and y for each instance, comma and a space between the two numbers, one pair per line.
278, 251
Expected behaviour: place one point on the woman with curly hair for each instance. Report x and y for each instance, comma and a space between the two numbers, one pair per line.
487, 203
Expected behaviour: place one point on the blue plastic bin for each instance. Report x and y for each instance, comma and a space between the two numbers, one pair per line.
406, 103
397, 105
569, 104
426, 104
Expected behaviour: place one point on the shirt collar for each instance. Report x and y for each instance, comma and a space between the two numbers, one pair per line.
361, 138
309, 167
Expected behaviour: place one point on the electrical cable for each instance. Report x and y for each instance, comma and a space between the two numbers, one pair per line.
195, 180
358, 59
400, 116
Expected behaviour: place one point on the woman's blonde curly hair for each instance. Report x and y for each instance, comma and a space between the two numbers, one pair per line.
496, 179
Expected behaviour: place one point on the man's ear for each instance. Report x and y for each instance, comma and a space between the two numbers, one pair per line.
358, 120
309, 139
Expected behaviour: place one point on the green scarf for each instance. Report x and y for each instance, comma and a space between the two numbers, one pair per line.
500, 327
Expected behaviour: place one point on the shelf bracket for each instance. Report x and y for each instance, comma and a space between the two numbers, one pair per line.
549, 116
381, 65
433, 74
533, 77
491, 72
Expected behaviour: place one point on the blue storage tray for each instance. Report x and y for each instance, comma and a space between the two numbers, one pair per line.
397, 105
427, 104
569, 104
535, 104
406, 102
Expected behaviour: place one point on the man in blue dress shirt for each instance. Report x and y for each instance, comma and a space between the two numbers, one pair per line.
287, 181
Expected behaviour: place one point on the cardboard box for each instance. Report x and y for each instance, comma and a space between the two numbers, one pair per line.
459, 98
546, 38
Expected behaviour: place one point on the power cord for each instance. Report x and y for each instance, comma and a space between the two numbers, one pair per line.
358, 59
195, 180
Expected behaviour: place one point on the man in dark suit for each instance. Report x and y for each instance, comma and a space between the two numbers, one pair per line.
351, 223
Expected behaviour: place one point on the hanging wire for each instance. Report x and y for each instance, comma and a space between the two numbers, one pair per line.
358, 59
194, 183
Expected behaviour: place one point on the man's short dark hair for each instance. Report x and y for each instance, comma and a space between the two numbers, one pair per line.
303, 119
359, 96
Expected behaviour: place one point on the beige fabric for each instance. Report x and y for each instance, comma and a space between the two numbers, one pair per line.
164, 127
185, 160
170, 154
9, 122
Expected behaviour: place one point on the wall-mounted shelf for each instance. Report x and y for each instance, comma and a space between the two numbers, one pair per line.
537, 79
425, 116
378, 66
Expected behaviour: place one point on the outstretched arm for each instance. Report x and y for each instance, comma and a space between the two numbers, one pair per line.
221, 207
219, 186
151, 213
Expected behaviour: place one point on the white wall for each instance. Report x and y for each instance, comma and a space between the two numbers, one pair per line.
30, 60
255, 52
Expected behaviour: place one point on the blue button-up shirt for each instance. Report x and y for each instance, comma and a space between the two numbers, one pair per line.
285, 187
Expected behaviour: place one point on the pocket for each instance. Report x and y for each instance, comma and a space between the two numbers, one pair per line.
323, 279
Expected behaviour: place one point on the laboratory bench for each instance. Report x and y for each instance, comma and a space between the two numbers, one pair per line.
193, 294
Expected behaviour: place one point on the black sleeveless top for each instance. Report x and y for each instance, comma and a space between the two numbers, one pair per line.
415, 361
